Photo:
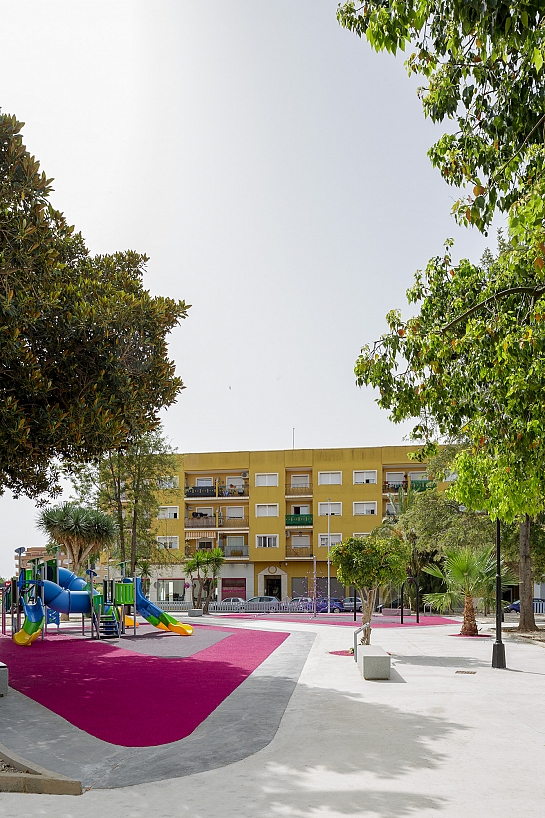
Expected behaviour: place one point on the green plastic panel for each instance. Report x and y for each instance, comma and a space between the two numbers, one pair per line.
124, 593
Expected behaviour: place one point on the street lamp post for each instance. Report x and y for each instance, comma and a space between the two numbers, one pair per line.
19, 551
328, 558
498, 649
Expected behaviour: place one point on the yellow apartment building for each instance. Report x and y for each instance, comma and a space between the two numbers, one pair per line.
268, 511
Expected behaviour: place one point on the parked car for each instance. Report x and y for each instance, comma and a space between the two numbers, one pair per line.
301, 603
348, 603
234, 602
263, 603
336, 605
539, 606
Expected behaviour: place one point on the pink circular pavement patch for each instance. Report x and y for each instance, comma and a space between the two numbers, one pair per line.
130, 699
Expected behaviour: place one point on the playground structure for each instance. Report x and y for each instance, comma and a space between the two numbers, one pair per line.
45, 591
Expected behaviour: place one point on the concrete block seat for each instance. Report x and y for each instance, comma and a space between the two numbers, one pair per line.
373, 662
3, 679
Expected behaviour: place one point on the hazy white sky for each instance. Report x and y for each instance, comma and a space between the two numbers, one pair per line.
273, 168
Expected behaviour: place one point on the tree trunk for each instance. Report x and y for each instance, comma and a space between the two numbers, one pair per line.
367, 607
526, 585
469, 625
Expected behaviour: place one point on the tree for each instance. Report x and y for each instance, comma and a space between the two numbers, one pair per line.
483, 67
81, 531
368, 564
83, 345
129, 484
467, 574
204, 567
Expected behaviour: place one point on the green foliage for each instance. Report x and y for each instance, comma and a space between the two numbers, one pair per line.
204, 566
482, 63
372, 561
82, 343
439, 524
129, 485
82, 532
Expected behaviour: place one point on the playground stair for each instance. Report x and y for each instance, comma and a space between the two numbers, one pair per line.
109, 626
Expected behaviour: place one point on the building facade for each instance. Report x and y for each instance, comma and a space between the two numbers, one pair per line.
273, 512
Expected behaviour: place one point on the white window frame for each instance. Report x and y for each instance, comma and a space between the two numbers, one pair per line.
368, 504
273, 537
299, 505
266, 475
360, 534
267, 506
322, 539
237, 537
204, 485
305, 537
202, 509
174, 516
302, 485
365, 481
328, 482
323, 509
230, 516
170, 542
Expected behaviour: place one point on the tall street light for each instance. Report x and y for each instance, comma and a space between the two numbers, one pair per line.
328, 558
498, 649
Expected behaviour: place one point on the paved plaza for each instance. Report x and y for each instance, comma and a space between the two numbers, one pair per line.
304, 737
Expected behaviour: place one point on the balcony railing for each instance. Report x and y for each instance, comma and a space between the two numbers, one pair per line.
301, 551
394, 485
212, 522
299, 491
218, 490
422, 485
232, 551
299, 519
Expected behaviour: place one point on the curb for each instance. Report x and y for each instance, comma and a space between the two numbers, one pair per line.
34, 779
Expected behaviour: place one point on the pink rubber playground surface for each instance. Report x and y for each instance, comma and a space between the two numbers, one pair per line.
131, 699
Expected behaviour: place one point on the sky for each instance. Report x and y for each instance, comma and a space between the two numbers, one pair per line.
273, 168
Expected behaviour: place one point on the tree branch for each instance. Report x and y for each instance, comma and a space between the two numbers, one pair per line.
534, 291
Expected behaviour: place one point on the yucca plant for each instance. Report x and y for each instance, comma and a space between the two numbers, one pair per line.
466, 574
81, 531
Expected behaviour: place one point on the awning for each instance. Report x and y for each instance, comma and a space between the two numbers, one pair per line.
200, 535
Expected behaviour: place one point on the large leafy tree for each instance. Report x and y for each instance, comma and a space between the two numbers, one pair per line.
483, 68
83, 355
368, 564
130, 484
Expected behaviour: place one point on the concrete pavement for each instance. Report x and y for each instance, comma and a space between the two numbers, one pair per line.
430, 742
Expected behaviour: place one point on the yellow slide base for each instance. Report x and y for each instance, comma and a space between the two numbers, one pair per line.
180, 629
129, 622
22, 637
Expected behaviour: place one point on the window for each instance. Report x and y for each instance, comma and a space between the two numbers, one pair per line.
267, 541
300, 540
365, 508
418, 475
395, 478
233, 541
335, 509
203, 511
234, 512
204, 481
300, 509
235, 482
300, 481
329, 478
365, 477
170, 590
390, 510
360, 535
335, 540
266, 479
168, 513
264, 510
167, 542
168, 482
233, 586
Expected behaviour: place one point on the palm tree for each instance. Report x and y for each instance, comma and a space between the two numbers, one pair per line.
81, 531
466, 574
197, 568
215, 559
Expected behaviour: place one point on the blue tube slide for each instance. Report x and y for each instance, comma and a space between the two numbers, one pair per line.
70, 596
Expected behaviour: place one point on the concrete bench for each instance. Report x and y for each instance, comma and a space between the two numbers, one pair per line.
195, 612
396, 611
373, 662
3, 679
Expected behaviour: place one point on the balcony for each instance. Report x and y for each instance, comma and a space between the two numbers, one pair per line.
298, 552
299, 520
422, 485
234, 552
299, 491
219, 490
211, 522
390, 485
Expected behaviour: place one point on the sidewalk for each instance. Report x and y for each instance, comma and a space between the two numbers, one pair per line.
431, 742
